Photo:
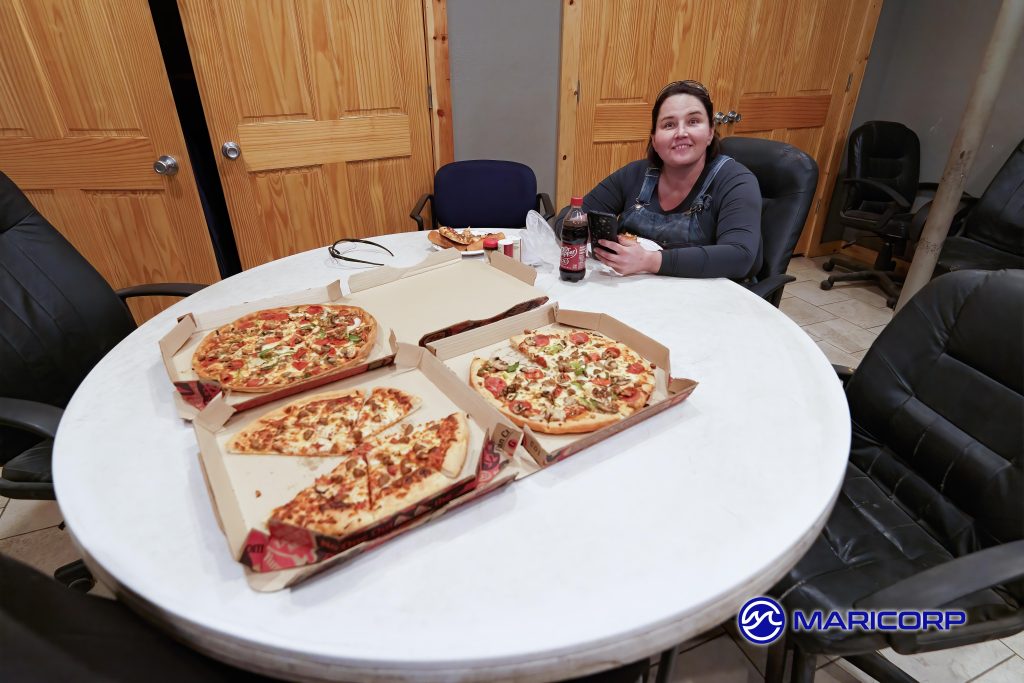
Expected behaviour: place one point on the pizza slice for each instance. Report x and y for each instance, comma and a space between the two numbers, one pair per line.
464, 237
383, 407
318, 425
336, 504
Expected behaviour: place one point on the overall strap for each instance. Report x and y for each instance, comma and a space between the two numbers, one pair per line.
703, 200
647, 190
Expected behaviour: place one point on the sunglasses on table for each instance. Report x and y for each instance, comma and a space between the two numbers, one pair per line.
345, 246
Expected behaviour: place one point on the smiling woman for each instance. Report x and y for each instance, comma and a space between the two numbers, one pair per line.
702, 207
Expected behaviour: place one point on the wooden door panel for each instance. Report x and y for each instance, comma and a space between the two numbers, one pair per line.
85, 110
769, 113
343, 123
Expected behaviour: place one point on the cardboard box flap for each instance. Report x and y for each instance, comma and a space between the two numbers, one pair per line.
216, 413
515, 268
385, 274
214, 319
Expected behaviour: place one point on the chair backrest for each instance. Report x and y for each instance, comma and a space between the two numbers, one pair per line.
58, 316
998, 218
885, 151
788, 178
483, 193
940, 395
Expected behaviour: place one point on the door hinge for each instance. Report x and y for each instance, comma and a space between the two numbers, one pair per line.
430, 98
577, 92
849, 81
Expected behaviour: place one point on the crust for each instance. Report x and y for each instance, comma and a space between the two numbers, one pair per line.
585, 423
455, 458
417, 493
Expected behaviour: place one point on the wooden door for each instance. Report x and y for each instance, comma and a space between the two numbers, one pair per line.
616, 57
796, 83
85, 110
328, 101
791, 70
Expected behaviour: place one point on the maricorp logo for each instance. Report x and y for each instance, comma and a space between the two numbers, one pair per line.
761, 621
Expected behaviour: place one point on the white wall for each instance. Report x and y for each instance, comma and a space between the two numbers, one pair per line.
924, 60
504, 57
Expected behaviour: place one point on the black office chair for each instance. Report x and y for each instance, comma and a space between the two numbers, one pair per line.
58, 317
987, 233
788, 178
929, 515
883, 163
482, 193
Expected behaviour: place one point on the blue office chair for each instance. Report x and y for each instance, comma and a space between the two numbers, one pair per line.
482, 193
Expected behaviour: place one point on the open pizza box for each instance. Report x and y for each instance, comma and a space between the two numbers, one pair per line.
459, 351
245, 489
417, 304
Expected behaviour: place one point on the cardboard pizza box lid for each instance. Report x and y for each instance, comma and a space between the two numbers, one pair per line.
245, 488
458, 352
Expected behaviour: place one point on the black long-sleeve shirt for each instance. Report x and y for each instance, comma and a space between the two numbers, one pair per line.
734, 219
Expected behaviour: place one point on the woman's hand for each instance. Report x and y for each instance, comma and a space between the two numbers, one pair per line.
627, 257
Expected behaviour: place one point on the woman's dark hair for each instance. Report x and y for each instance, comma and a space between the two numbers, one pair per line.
683, 88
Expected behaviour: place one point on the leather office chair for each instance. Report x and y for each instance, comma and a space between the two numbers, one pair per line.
788, 178
929, 515
58, 318
883, 163
989, 232
482, 193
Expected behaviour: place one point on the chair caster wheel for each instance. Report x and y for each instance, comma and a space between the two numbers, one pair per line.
827, 266
826, 284
82, 585
75, 576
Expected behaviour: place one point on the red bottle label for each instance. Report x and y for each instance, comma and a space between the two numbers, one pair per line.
574, 256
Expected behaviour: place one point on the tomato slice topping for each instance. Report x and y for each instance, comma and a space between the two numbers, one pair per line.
635, 368
627, 392
314, 309
331, 351
495, 385
236, 364
271, 340
539, 360
612, 352
601, 381
300, 353
579, 337
295, 340
300, 364
533, 373
255, 382
274, 315
245, 325
556, 392
520, 407
594, 355
542, 340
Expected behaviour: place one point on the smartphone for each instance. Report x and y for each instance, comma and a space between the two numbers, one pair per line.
603, 226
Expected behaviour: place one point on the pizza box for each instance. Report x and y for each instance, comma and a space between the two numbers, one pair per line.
246, 488
415, 305
458, 352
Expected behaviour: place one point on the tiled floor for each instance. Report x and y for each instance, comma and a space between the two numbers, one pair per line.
843, 322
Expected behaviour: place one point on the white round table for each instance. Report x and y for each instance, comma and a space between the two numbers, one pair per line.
623, 550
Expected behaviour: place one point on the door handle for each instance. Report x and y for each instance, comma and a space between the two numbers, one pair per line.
733, 117
166, 165
231, 150
719, 117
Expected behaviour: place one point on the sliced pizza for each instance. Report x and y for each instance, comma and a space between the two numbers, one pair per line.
384, 407
318, 425
464, 237
279, 347
336, 504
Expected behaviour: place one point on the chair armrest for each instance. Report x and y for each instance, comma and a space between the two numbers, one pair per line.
544, 201
949, 581
417, 211
882, 187
159, 289
30, 416
770, 288
956, 225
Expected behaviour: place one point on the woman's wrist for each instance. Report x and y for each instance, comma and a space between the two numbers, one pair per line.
653, 262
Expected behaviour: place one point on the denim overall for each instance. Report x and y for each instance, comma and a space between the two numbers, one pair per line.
673, 229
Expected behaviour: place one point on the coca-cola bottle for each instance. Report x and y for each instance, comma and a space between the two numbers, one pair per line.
575, 234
